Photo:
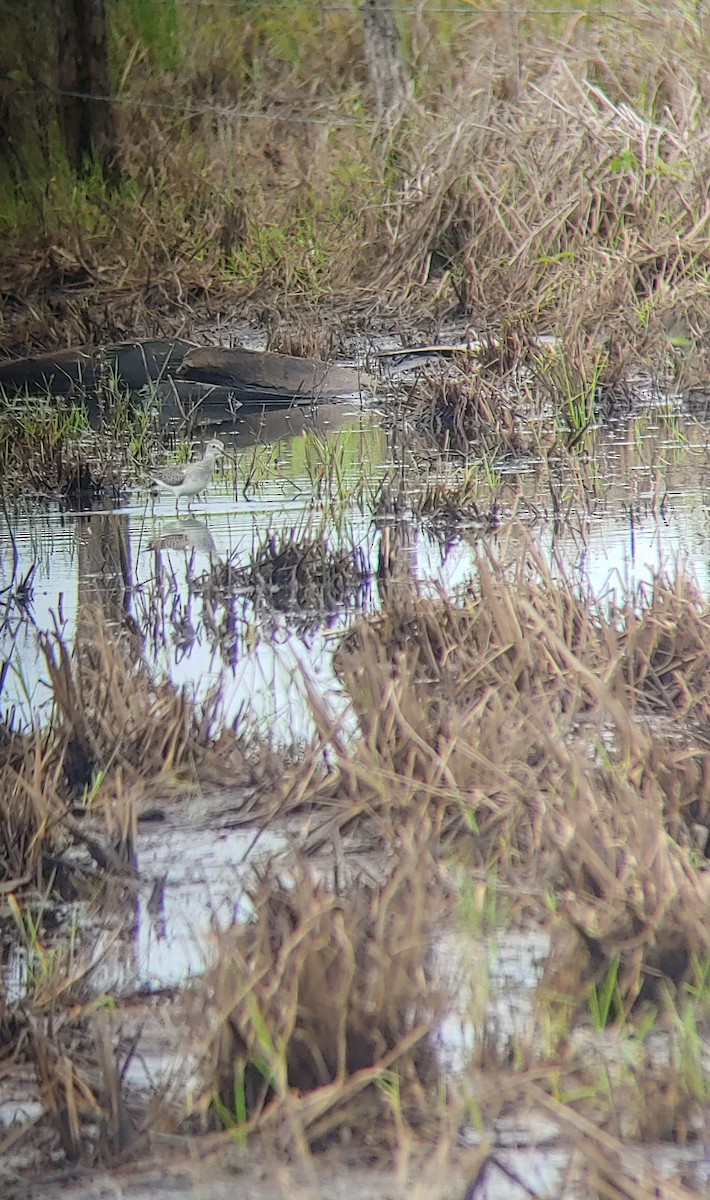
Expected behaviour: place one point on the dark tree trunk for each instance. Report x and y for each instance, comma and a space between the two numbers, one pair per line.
384, 58
88, 125
27, 86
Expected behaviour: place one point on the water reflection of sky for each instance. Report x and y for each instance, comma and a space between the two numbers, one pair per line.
643, 512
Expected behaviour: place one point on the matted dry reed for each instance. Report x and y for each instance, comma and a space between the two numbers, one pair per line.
324, 1007
522, 723
294, 573
115, 735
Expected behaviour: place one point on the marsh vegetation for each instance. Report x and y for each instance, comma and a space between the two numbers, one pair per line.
354, 826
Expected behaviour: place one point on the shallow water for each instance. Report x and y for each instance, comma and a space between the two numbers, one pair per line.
143, 559
635, 508
196, 872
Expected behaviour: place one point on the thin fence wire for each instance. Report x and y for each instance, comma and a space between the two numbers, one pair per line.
332, 117
187, 108
470, 10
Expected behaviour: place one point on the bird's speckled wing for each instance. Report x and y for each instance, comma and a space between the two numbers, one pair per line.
173, 476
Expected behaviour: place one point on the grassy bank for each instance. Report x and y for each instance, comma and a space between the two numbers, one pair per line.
549, 174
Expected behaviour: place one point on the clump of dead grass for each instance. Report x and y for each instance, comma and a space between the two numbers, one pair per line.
114, 715
294, 572
30, 809
466, 410
512, 720
666, 661
115, 735
325, 1007
636, 896
81, 1064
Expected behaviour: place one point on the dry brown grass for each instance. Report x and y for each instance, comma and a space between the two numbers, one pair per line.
516, 730
29, 817
115, 734
517, 396
666, 655
519, 723
113, 714
561, 209
80, 1064
324, 1008
471, 410
604, 1165
294, 572
545, 178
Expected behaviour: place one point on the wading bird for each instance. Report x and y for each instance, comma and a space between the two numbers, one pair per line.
187, 479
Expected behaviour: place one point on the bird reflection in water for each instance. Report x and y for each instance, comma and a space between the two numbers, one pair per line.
188, 534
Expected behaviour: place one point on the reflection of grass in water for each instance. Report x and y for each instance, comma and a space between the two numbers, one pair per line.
306, 573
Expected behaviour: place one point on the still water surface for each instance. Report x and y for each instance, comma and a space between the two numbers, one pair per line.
635, 508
